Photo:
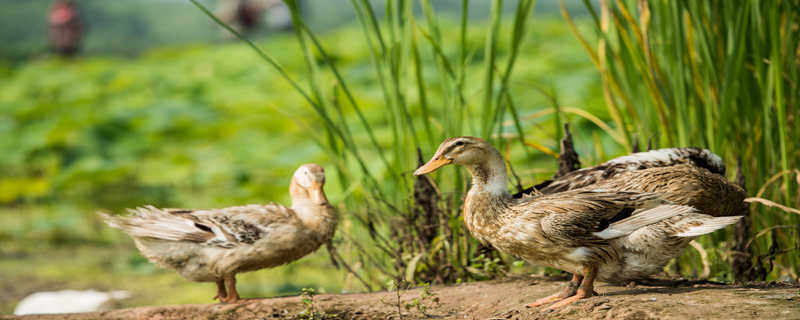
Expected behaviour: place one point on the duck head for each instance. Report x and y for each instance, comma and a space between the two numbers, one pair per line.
307, 183
466, 151
481, 159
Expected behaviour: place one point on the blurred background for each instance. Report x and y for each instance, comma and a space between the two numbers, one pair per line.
107, 105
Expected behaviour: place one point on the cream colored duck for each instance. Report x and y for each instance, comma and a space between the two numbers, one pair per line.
214, 245
593, 233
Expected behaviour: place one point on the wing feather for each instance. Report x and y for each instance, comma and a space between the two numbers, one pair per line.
642, 219
575, 216
703, 224
668, 157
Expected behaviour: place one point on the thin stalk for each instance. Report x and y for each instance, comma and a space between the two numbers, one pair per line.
421, 88
518, 33
490, 48
329, 62
610, 85
776, 66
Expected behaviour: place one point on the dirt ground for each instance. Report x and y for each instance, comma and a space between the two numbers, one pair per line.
502, 299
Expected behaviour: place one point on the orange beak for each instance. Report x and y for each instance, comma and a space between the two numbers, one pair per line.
318, 195
433, 165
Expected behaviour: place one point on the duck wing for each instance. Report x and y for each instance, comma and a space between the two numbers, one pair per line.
226, 227
581, 217
580, 178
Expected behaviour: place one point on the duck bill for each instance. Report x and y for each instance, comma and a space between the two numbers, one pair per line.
318, 195
432, 165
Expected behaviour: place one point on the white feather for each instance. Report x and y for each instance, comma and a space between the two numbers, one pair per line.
664, 155
709, 225
579, 254
641, 219
649, 156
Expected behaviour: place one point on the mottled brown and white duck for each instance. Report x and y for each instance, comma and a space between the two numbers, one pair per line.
594, 233
214, 245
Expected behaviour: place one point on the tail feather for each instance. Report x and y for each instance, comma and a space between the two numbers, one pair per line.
151, 222
707, 225
640, 219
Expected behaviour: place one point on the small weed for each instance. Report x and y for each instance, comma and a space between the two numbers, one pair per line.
396, 285
310, 312
427, 299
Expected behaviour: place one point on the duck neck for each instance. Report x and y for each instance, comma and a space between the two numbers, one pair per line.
488, 197
320, 217
489, 177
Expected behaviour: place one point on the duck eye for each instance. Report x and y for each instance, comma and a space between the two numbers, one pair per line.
459, 143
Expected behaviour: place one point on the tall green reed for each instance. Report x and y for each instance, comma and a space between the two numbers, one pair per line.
417, 236
715, 74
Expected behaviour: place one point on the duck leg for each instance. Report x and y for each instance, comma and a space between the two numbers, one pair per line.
569, 291
584, 291
230, 283
221, 293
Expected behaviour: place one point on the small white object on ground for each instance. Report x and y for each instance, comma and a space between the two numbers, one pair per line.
68, 301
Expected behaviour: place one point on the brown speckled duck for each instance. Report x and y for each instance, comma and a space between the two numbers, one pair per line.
593, 232
214, 245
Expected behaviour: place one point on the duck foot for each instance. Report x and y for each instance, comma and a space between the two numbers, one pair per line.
230, 300
558, 297
221, 293
549, 299
581, 294
233, 295
570, 290
573, 292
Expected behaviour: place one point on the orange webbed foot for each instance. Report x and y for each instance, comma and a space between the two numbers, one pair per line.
585, 290
569, 291
581, 294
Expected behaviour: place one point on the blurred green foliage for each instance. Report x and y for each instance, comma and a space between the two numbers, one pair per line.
202, 125
135, 26
120, 27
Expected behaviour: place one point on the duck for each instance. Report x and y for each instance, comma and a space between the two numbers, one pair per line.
216, 244
594, 232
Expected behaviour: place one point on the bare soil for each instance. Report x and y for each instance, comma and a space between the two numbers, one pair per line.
501, 299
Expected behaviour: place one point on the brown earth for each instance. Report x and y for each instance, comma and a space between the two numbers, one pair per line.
502, 299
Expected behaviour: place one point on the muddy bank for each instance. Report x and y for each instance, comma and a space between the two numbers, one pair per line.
503, 299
